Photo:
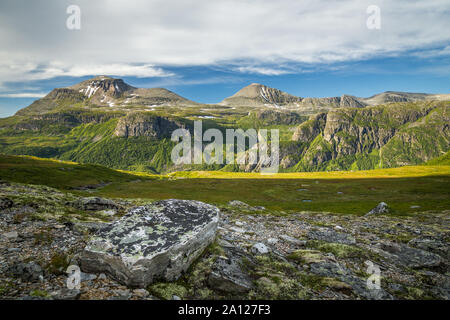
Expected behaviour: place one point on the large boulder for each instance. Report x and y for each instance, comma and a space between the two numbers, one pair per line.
157, 241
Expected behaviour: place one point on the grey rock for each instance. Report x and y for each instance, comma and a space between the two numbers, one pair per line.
10, 235
259, 248
5, 203
431, 244
237, 203
95, 204
141, 293
29, 272
227, 276
358, 285
88, 227
293, 240
66, 294
87, 277
159, 240
175, 297
382, 207
122, 294
272, 241
406, 256
329, 235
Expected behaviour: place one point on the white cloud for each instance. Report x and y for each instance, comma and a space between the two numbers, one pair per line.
132, 38
23, 95
263, 70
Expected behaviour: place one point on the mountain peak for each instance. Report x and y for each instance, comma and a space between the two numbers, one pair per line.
101, 87
258, 94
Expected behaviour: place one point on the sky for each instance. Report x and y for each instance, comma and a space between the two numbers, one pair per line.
206, 50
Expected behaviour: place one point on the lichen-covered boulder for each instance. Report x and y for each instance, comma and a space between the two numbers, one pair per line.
157, 241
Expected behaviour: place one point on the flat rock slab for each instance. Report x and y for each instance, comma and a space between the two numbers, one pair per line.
404, 255
157, 241
331, 236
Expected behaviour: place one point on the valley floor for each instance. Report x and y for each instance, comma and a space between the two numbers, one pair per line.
293, 236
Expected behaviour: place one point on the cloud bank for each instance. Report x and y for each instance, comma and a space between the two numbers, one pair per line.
143, 38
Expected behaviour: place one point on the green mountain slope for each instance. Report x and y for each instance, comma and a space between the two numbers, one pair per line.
105, 121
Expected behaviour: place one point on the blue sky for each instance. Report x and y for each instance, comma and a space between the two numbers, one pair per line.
208, 49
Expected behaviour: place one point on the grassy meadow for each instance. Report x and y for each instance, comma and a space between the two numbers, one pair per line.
427, 186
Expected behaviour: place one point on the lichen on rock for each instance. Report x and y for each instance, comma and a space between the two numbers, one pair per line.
157, 241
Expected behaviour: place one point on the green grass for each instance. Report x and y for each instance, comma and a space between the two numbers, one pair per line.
60, 174
336, 192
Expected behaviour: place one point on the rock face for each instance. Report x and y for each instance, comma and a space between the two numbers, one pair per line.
382, 207
160, 240
137, 124
258, 94
407, 256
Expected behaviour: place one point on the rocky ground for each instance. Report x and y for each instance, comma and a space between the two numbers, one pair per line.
257, 254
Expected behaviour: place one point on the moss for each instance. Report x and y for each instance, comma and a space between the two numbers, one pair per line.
58, 264
166, 290
280, 288
40, 294
336, 284
306, 256
339, 250
43, 237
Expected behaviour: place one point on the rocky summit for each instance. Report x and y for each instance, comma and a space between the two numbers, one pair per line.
160, 240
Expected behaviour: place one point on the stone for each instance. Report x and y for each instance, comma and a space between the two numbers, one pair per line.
237, 203
293, 240
156, 241
87, 277
432, 245
10, 235
88, 227
382, 207
142, 293
66, 294
29, 272
259, 248
5, 203
272, 241
329, 235
406, 256
227, 276
95, 204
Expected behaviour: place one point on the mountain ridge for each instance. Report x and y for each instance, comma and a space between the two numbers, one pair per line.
114, 94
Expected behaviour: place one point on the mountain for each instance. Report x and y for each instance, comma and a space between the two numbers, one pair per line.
103, 92
392, 96
106, 121
257, 94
